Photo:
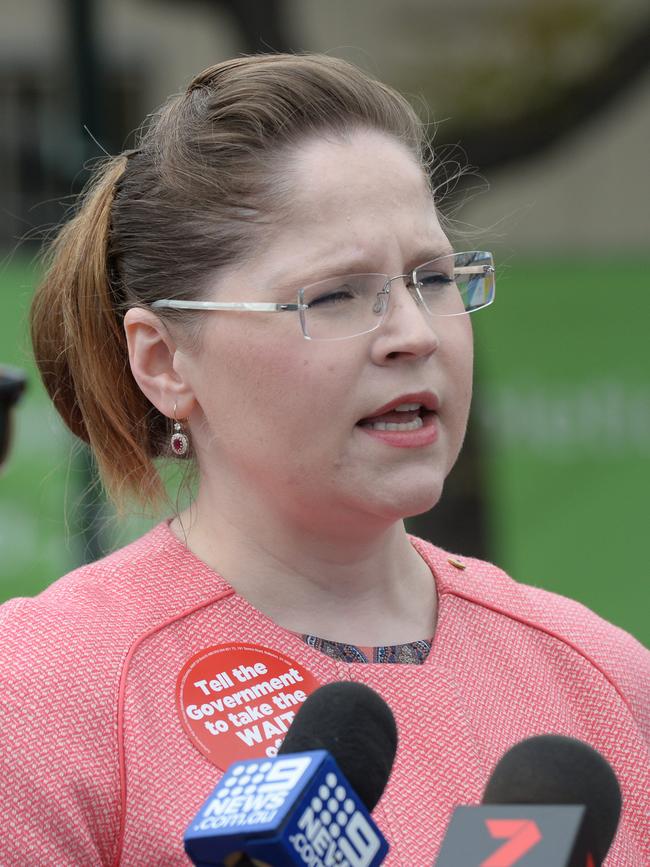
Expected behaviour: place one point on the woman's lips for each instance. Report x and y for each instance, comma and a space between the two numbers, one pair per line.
423, 436
395, 417
427, 400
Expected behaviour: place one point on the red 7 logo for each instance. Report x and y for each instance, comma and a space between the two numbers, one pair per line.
521, 834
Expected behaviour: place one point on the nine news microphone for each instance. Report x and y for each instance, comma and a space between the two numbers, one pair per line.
309, 805
551, 801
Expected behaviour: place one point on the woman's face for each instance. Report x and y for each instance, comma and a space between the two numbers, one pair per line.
276, 415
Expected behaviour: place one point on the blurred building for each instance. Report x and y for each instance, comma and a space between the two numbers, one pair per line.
463, 62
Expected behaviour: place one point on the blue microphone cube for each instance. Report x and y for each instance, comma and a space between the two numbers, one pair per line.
294, 809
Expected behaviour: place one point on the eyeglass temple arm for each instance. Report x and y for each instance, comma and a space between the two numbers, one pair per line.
260, 306
474, 269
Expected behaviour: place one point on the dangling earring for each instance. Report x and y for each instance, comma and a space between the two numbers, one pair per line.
179, 442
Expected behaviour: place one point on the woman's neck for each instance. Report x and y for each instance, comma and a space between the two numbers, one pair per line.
371, 590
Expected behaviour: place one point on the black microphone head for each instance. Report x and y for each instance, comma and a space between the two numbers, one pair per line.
356, 726
553, 769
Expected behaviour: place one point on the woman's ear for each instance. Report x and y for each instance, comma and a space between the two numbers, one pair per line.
152, 350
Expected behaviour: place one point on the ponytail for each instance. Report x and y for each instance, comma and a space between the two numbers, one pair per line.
81, 350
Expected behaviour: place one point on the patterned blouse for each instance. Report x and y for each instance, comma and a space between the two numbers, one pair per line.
413, 653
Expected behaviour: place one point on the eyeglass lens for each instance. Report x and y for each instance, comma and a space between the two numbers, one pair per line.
356, 304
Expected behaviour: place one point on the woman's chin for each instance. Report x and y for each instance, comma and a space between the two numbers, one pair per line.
422, 504
408, 501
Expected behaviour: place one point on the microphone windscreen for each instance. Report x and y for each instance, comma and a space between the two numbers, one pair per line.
553, 769
356, 726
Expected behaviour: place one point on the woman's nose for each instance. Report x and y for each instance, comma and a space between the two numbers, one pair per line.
408, 328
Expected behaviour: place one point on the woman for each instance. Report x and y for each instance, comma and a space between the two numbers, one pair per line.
322, 385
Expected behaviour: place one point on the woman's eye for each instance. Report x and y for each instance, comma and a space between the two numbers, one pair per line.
332, 298
434, 280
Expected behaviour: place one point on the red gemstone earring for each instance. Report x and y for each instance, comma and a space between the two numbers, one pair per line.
179, 442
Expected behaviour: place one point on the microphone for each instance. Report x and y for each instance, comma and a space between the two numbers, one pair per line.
554, 800
355, 725
309, 805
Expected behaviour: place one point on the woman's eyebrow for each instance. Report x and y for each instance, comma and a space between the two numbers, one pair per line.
360, 264
428, 254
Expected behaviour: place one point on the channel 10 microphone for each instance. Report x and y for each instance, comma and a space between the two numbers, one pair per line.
552, 801
309, 805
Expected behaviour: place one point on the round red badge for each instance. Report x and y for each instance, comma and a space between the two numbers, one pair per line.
237, 701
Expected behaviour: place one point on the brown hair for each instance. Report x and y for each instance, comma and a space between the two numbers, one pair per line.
207, 178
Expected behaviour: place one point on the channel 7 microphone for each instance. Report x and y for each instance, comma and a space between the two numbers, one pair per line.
309, 805
552, 801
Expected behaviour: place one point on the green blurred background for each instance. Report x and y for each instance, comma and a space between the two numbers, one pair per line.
550, 101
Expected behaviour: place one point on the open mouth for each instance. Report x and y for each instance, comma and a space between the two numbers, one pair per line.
408, 417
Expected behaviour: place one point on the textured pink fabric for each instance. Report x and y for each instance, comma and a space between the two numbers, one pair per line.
96, 769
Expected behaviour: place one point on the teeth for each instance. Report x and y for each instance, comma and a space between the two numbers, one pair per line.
389, 425
407, 407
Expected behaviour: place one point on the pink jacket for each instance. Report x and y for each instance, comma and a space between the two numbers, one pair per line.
97, 767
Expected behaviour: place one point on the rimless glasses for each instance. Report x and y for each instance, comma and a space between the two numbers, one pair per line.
347, 306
